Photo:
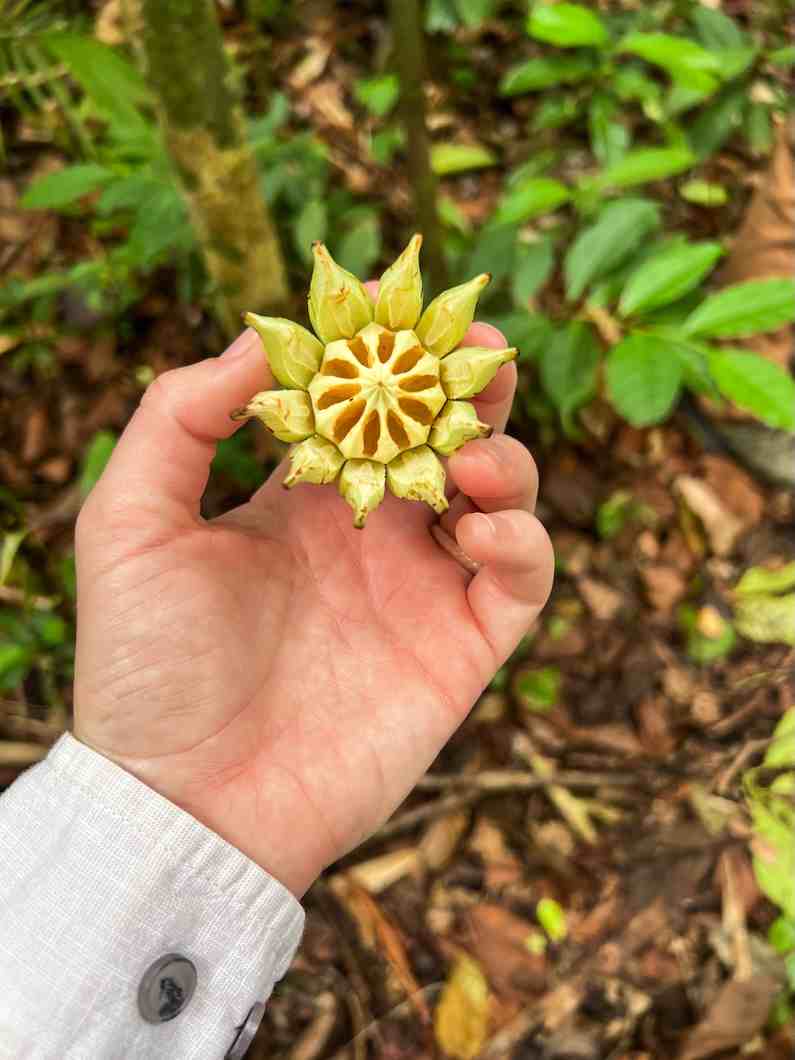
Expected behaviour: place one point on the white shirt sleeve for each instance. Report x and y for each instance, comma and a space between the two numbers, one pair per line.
100, 877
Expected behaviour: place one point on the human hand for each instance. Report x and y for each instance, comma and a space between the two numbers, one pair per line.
282, 676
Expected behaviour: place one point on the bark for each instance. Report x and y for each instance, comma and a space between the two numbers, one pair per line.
409, 51
188, 71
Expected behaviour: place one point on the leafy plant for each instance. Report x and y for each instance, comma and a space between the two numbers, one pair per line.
602, 62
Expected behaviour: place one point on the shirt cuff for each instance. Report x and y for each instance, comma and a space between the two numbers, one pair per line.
107, 877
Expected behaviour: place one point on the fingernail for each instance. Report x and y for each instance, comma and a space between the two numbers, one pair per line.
242, 345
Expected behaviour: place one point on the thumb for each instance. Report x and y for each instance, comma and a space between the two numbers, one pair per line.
157, 473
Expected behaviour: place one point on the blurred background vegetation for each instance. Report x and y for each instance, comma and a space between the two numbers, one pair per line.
624, 171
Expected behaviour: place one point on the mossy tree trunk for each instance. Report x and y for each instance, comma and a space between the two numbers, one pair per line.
409, 53
189, 73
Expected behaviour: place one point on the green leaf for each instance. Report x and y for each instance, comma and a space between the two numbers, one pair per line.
309, 225
553, 113
701, 648
643, 165
538, 690
716, 122
552, 918
781, 751
15, 662
629, 82
781, 935
12, 539
766, 619
535, 265
494, 251
744, 309
693, 359
378, 94
530, 333
757, 385
685, 61
613, 514
609, 138
759, 127
65, 186
360, 248
128, 193
643, 379
112, 84
667, 276
531, 198
541, 73
95, 460
474, 12
765, 580
704, 193
716, 30
569, 364
567, 25
235, 460
459, 158
782, 56
441, 16
619, 230
774, 865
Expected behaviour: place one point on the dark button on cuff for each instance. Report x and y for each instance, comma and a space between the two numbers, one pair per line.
166, 988
246, 1033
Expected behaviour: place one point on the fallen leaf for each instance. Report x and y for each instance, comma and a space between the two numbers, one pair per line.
501, 866
462, 1015
737, 1014
603, 601
501, 942
741, 495
720, 525
441, 838
381, 872
766, 619
665, 586
763, 245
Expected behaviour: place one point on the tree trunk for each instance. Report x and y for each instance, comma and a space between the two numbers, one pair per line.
409, 51
188, 71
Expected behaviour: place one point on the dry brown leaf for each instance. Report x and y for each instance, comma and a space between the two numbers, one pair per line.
391, 946
764, 244
499, 941
736, 1015
603, 601
381, 872
735, 487
665, 586
462, 1015
500, 864
441, 838
720, 525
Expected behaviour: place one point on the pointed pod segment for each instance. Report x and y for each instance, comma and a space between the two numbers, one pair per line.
457, 424
400, 291
470, 369
417, 475
314, 460
446, 320
286, 413
294, 354
339, 306
362, 484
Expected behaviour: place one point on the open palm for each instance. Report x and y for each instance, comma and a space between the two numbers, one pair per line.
280, 675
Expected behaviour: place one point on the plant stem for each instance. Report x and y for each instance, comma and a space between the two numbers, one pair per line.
409, 51
189, 73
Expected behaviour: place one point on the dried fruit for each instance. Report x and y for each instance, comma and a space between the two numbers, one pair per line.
381, 394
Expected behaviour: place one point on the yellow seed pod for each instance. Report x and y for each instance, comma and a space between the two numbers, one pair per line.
314, 460
400, 291
417, 475
455, 425
287, 413
294, 354
362, 484
470, 369
446, 320
339, 306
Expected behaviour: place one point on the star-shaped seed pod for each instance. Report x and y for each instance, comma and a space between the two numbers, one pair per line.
380, 393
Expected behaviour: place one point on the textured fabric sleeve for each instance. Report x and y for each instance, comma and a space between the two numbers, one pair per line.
99, 877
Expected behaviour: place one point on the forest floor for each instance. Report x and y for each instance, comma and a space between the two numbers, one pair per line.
603, 768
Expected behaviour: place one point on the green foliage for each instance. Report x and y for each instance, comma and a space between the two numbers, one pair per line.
569, 367
460, 158
566, 25
95, 460
703, 648
643, 379
538, 690
619, 230
552, 918
530, 198
768, 792
34, 644
744, 309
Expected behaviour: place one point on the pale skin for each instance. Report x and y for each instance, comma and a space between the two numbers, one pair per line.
282, 676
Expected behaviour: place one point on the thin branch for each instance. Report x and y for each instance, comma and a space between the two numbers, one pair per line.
409, 51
